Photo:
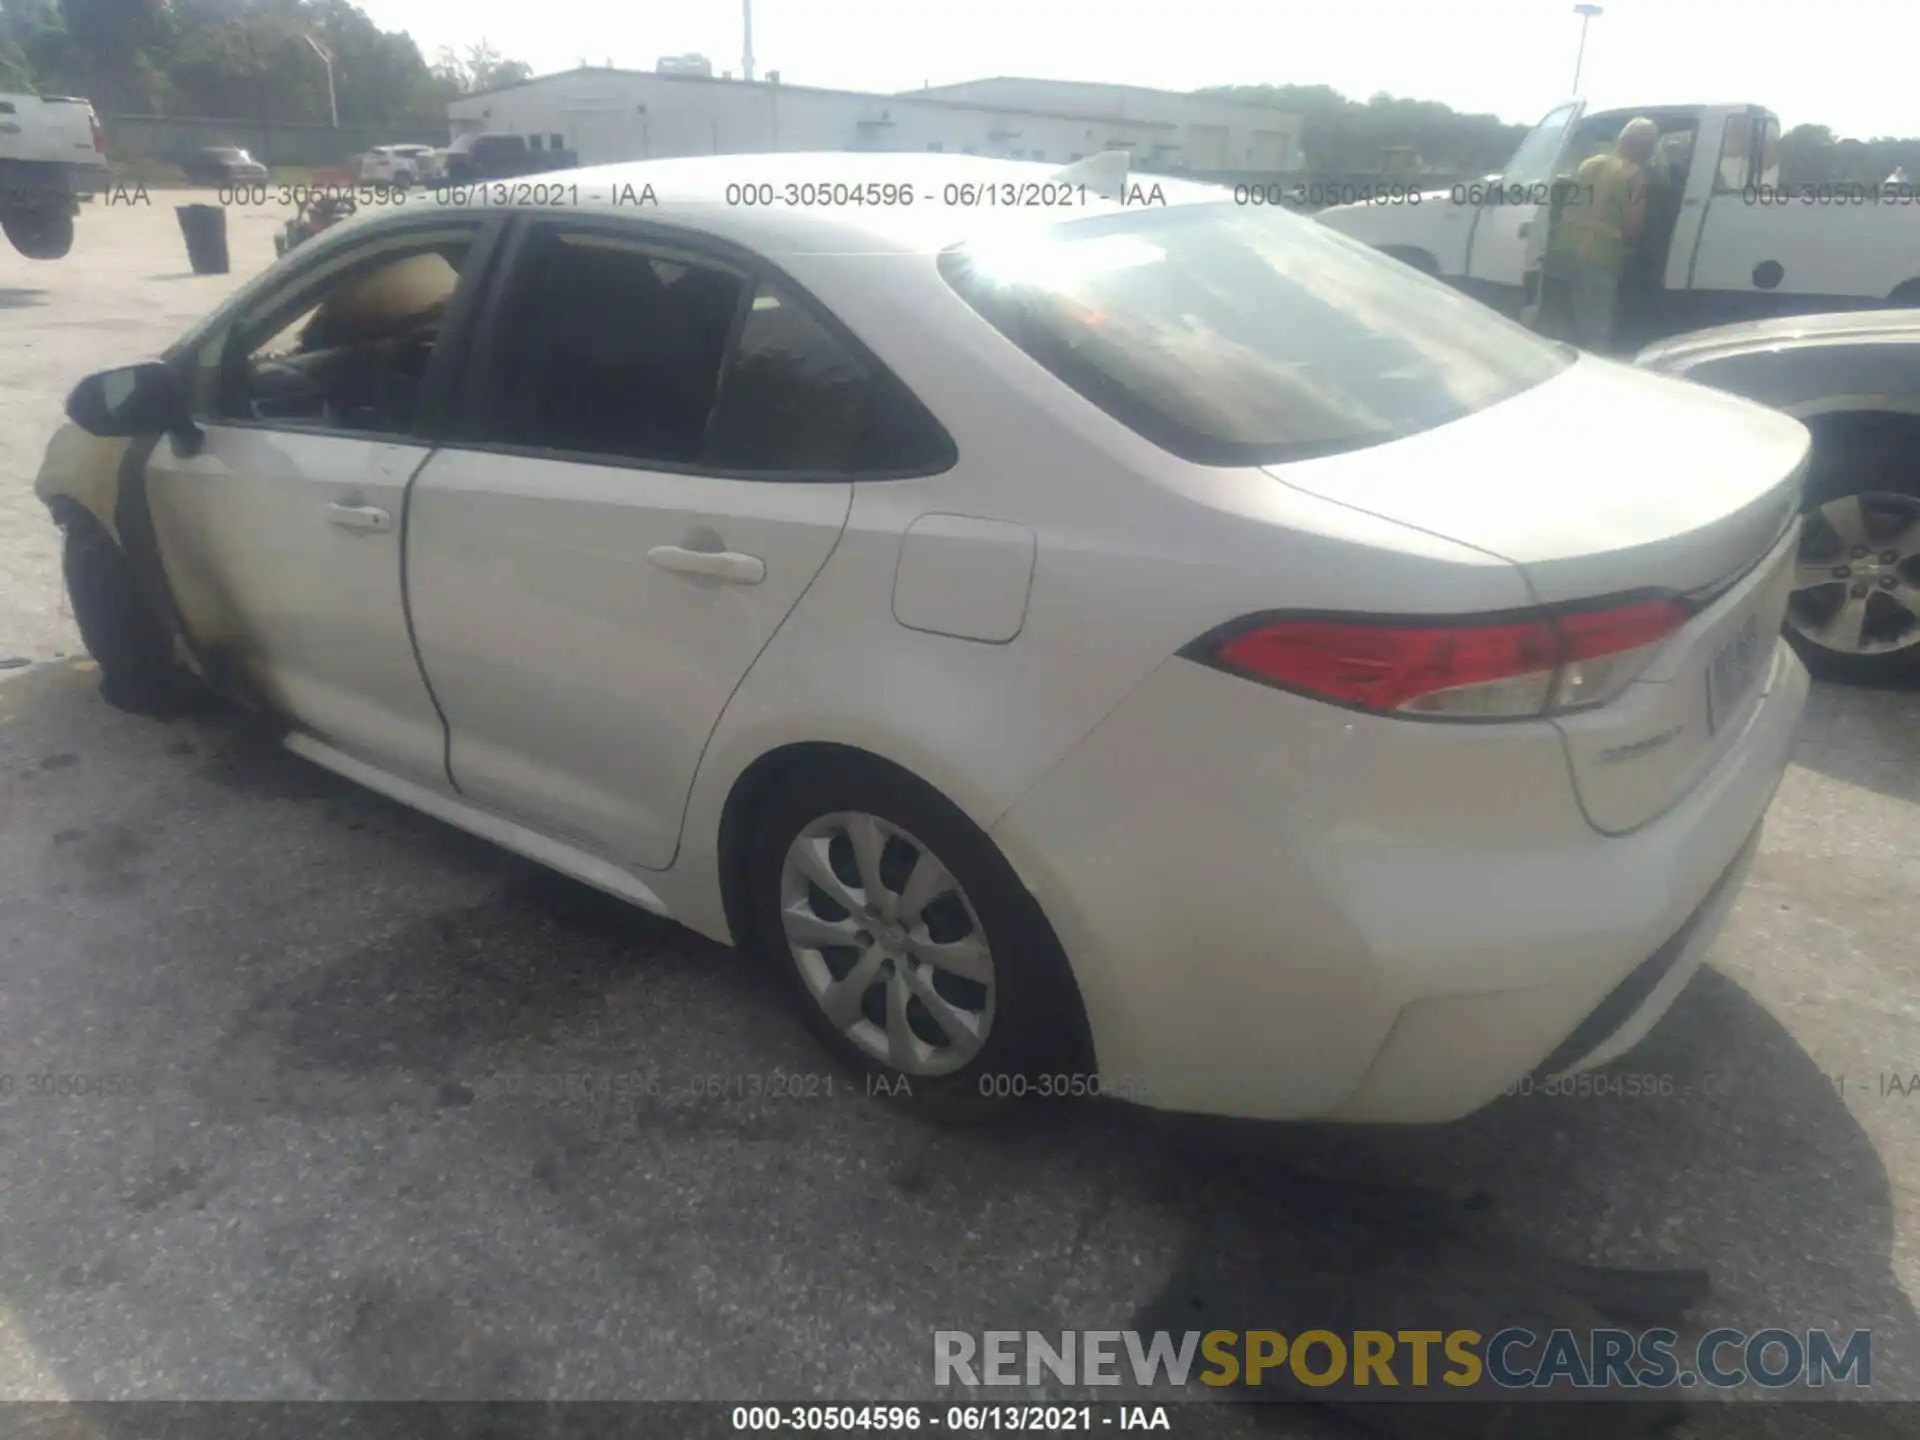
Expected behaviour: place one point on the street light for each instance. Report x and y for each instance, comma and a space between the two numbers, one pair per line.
1586, 14
333, 108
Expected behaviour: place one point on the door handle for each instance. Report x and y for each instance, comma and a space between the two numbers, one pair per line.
360, 517
727, 565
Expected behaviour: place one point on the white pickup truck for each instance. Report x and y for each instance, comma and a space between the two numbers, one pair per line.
1725, 240
51, 153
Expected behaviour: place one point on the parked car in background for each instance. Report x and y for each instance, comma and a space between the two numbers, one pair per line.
223, 165
472, 158
1044, 642
1854, 380
1726, 239
52, 152
400, 165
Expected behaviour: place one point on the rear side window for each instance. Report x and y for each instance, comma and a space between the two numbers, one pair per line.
1230, 336
796, 399
608, 348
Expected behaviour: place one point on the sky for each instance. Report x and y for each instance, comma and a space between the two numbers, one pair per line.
1846, 64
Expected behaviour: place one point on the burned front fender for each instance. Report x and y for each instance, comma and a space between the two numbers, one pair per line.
83, 469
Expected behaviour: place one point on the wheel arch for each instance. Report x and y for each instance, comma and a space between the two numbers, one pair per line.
1867, 436
1421, 259
82, 471
760, 780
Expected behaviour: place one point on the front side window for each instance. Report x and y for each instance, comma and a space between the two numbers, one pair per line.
1770, 154
1231, 336
1532, 164
347, 350
1736, 155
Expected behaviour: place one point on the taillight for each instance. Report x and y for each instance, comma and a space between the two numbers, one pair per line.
99, 135
1485, 668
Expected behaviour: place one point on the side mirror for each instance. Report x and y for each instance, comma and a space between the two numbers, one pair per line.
130, 402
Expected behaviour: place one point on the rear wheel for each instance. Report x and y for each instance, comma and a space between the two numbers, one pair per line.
908, 943
39, 232
1854, 614
127, 640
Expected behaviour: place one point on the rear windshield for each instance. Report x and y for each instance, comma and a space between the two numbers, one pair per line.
1231, 336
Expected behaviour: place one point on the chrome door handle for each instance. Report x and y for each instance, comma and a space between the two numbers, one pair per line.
727, 565
360, 517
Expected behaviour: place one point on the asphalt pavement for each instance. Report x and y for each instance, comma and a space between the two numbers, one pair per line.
305, 1096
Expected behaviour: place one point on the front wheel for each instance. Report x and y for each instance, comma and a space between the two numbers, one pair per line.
906, 940
132, 646
1854, 614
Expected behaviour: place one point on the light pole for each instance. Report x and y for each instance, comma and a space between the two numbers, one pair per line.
1586, 14
333, 108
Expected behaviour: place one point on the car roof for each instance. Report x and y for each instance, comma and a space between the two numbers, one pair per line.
714, 194
692, 197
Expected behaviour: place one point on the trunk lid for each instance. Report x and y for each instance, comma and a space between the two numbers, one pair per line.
1605, 482
1602, 481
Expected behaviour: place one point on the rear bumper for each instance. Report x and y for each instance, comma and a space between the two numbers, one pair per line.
28, 182
1318, 915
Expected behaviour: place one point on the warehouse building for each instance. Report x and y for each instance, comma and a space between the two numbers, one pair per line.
607, 115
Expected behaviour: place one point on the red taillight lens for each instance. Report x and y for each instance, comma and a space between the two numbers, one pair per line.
1503, 668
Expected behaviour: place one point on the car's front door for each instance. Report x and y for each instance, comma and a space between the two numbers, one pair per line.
661, 462
282, 532
1513, 211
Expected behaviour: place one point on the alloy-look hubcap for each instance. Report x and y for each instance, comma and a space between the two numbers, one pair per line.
1856, 590
888, 943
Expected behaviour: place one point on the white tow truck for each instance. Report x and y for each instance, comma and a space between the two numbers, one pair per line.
52, 152
1725, 239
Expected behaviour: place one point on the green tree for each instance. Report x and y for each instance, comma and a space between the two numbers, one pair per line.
235, 59
482, 67
1342, 135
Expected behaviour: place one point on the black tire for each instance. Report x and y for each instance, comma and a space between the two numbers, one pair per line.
1873, 456
41, 232
131, 645
1037, 1039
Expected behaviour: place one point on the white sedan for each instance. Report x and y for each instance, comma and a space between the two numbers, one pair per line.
1132, 644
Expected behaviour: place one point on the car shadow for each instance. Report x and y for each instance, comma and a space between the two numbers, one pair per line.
14, 298
447, 1083
1868, 736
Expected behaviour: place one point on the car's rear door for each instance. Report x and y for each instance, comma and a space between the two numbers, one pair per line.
281, 534
660, 461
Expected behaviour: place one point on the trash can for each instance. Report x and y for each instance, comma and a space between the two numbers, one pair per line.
205, 229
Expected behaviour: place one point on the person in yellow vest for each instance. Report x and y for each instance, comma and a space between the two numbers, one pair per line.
1600, 220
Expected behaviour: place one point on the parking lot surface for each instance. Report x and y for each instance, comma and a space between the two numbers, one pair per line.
357, 1107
